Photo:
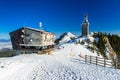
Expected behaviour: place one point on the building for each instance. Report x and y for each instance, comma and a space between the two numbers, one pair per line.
85, 26
30, 39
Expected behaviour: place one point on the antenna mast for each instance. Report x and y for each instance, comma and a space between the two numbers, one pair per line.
40, 24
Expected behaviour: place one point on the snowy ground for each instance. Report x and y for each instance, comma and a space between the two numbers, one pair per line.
63, 64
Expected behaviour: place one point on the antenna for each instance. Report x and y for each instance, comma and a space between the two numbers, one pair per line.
85, 17
40, 24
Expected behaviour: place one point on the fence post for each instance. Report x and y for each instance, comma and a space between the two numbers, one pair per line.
85, 58
80, 57
104, 62
115, 64
96, 60
90, 59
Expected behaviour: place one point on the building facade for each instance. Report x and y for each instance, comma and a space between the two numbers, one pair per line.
85, 26
30, 38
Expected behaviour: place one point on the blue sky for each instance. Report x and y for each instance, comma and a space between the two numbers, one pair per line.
59, 16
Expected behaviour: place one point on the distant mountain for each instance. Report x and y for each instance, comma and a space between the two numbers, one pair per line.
4, 40
65, 37
5, 49
5, 45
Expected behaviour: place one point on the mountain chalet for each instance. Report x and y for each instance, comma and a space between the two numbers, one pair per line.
30, 40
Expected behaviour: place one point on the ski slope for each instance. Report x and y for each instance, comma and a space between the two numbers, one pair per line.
58, 66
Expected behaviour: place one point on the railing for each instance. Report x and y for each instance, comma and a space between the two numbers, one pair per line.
117, 63
99, 61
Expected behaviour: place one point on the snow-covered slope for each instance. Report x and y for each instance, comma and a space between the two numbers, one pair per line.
53, 67
74, 49
5, 45
66, 37
63, 64
76, 45
87, 39
69, 37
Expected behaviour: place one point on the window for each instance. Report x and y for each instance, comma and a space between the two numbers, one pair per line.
27, 35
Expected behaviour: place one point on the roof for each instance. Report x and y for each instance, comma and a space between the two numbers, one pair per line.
31, 29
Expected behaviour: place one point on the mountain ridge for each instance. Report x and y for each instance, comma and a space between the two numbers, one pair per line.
94, 42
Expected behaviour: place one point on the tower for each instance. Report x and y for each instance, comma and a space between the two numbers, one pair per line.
85, 26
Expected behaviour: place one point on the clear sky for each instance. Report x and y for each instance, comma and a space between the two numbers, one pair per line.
59, 16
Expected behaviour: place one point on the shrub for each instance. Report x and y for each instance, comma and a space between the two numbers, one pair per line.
82, 42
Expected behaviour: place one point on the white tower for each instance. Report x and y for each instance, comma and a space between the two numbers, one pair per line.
85, 26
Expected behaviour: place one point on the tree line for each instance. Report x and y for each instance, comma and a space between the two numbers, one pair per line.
114, 41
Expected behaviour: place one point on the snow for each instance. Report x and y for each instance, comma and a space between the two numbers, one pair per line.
86, 38
76, 49
67, 37
5, 45
107, 52
63, 64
